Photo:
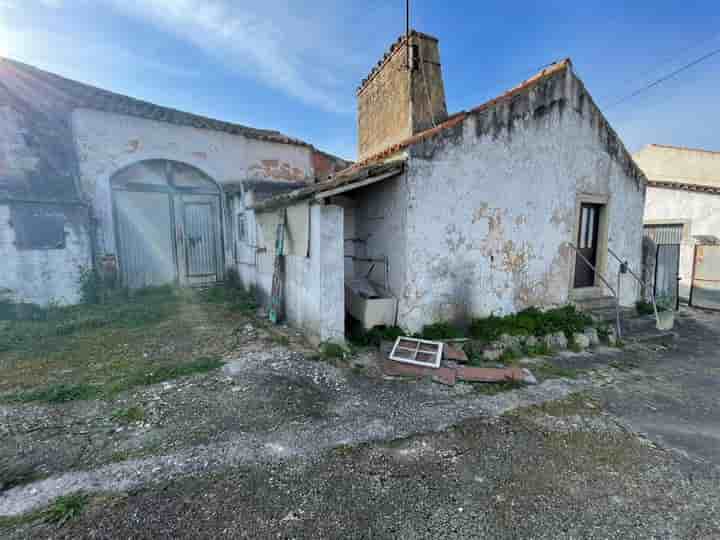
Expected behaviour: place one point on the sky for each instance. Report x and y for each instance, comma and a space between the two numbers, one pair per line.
294, 66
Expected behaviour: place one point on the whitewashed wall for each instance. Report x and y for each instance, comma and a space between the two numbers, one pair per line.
40, 276
699, 211
314, 298
108, 142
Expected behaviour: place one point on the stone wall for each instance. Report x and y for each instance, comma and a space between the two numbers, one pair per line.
394, 102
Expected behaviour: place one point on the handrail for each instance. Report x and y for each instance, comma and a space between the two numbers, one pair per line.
640, 281
607, 284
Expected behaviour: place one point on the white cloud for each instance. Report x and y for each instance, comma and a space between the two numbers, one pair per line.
291, 54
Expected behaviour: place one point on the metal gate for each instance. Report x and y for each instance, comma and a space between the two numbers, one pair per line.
667, 239
201, 241
705, 291
145, 242
167, 224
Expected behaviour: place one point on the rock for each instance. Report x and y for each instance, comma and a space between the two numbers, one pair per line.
492, 354
581, 341
528, 377
531, 341
612, 337
556, 341
592, 336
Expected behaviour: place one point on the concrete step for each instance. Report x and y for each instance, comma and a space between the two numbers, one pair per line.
597, 303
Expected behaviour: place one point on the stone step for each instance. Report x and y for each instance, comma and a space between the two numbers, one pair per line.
593, 304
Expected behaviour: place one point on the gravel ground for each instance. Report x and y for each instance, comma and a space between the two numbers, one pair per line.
537, 473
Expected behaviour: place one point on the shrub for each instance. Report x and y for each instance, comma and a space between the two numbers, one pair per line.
531, 322
92, 288
65, 508
440, 331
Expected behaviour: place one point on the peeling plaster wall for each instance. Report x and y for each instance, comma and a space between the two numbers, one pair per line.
107, 142
314, 298
699, 211
380, 217
39, 276
492, 202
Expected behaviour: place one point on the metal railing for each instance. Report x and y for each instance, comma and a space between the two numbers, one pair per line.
615, 293
626, 266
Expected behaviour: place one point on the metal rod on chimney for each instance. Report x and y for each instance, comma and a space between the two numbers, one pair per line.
407, 32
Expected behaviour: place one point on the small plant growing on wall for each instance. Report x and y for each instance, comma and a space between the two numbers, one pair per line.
91, 285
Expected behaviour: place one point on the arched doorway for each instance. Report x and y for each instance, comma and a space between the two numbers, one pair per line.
167, 224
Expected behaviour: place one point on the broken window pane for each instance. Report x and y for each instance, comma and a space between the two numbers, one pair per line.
38, 226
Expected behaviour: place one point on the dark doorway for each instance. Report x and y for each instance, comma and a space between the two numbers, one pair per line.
587, 245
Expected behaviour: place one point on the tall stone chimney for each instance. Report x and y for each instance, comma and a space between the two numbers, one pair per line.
396, 100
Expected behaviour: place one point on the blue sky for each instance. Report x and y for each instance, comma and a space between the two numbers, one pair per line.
294, 65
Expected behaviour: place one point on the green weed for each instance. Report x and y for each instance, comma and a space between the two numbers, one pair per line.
65, 508
57, 393
531, 322
440, 331
130, 415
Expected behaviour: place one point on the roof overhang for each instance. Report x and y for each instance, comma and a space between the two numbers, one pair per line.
684, 186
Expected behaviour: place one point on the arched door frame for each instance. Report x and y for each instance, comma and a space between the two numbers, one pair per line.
177, 195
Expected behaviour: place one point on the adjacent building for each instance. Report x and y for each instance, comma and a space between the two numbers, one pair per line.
449, 217
93, 178
682, 217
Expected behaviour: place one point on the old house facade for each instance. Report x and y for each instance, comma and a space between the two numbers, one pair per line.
461, 216
682, 213
93, 178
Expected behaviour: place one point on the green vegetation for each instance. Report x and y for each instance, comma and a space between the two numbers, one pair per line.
57, 393
65, 508
234, 298
440, 331
531, 322
130, 415
663, 303
548, 370
331, 351
376, 335
491, 389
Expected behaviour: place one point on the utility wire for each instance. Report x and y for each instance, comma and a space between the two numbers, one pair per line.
665, 78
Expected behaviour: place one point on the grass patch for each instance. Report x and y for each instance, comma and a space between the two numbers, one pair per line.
578, 403
548, 370
57, 393
280, 339
65, 508
130, 415
165, 373
331, 351
376, 335
233, 297
531, 322
491, 389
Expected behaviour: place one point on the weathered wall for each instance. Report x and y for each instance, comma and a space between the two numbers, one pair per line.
394, 103
313, 291
699, 211
380, 223
108, 142
670, 164
40, 276
492, 203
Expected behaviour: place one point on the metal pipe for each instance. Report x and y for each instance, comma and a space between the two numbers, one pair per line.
642, 283
597, 273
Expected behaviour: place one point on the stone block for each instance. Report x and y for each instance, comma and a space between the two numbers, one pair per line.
556, 341
592, 335
581, 341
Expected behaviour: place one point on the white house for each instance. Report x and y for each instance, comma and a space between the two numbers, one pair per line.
93, 178
460, 216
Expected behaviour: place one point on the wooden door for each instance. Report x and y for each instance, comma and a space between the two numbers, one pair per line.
587, 245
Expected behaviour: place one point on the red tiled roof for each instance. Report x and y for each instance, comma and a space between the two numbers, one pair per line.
459, 117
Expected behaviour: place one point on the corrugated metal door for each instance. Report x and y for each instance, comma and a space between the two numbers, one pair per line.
146, 246
706, 278
667, 238
201, 239
666, 272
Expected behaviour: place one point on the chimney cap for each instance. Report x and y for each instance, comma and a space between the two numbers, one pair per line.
390, 53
